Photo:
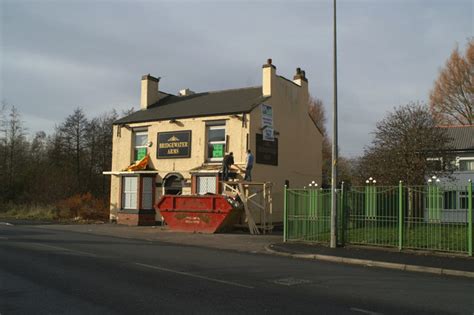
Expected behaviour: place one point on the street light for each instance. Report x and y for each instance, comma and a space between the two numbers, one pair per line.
333, 242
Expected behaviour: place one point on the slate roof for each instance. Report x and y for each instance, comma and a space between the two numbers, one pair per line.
199, 105
462, 137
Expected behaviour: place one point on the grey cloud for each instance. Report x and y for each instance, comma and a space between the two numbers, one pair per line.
57, 55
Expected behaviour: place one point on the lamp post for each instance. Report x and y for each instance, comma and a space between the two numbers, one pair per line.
333, 242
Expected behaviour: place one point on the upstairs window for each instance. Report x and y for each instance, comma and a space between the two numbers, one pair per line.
216, 144
140, 144
466, 165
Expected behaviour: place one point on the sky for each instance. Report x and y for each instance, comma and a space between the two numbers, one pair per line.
59, 55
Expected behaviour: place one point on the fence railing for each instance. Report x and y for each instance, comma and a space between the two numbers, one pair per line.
432, 217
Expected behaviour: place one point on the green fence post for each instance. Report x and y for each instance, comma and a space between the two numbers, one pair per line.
430, 202
438, 203
342, 216
469, 218
285, 216
400, 215
374, 201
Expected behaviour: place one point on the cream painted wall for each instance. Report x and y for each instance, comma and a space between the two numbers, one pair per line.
300, 142
123, 150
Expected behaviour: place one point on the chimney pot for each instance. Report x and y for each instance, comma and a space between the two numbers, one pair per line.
186, 92
269, 61
150, 91
300, 75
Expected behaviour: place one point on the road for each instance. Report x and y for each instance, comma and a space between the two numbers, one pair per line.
46, 271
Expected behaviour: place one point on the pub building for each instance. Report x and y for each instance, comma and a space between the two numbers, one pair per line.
183, 138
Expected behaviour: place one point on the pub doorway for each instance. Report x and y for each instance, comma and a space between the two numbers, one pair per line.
173, 184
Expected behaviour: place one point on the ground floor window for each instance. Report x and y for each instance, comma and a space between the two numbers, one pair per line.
450, 200
129, 192
206, 184
464, 200
137, 192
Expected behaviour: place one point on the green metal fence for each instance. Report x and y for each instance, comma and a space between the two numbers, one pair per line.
432, 217
308, 215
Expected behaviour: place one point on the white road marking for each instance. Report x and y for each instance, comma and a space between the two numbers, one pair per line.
355, 309
66, 249
291, 281
6, 223
195, 276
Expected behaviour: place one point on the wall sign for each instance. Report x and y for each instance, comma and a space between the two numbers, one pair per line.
174, 144
266, 151
267, 122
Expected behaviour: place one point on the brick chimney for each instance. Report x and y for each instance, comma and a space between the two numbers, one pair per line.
300, 77
149, 94
268, 78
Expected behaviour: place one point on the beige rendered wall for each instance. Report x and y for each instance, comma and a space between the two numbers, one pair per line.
299, 153
299, 141
122, 149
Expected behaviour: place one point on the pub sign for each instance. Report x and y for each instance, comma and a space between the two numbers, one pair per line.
174, 144
266, 151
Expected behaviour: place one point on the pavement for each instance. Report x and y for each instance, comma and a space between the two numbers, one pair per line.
414, 261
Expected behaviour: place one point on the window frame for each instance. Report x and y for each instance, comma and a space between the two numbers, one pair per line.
139, 192
463, 200
135, 133
217, 125
451, 200
123, 205
467, 160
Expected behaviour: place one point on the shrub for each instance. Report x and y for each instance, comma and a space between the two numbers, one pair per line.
82, 206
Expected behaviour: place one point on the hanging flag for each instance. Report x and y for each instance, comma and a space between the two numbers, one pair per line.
140, 165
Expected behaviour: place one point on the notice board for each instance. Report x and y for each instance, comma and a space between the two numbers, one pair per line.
266, 151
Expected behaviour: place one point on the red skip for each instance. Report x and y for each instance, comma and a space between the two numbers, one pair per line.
205, 214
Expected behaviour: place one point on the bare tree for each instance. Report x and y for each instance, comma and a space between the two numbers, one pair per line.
452, 97
99, 146
3, 148
406, 142
72, 134
318, 115
15, 153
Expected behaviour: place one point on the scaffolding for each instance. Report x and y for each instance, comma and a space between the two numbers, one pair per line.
256, 198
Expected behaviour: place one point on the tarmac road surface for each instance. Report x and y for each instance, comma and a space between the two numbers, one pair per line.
48, 271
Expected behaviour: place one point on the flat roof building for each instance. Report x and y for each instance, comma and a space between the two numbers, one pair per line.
187, 135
